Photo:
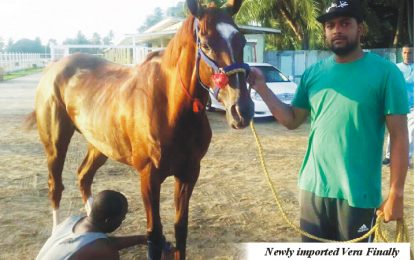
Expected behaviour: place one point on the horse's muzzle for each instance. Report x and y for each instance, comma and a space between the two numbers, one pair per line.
240, 116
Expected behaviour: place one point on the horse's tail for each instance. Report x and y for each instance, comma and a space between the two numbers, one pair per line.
30, 121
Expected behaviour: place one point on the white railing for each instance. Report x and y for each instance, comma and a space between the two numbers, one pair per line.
122, 54
14, 61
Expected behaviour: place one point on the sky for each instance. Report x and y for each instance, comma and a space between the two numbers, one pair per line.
58, 19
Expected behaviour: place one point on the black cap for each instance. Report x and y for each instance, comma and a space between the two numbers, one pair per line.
348, 8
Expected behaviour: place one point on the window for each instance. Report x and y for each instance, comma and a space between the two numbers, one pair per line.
272, 74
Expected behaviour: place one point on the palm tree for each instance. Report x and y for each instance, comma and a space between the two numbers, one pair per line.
390, 22
404, 24
295, 18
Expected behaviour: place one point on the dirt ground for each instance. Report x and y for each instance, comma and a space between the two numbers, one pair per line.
231, 203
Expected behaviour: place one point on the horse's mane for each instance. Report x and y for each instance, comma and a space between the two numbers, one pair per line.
152, 55
185, 36
181, 40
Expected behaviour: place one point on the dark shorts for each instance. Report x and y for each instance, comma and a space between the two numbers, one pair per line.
333, 218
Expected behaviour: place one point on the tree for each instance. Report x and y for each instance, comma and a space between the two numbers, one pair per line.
9, 44
50, 43
218, 3
96, 39
2, 44
177, 11
80, 39
295, 18
26, 45
107, 40
152, 19
390, 22
403, 32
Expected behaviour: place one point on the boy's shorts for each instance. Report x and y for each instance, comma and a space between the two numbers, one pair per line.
334, 219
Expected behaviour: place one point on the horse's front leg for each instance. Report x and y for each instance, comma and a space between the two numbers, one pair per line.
150, 190
182, 193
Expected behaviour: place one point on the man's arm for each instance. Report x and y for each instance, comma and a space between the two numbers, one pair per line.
290, 117
392, 207
105, 249
99, 249
128, 241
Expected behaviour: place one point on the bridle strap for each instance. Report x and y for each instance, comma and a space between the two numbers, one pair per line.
228, 70
198, 77
237, 68
206, 59
196, 103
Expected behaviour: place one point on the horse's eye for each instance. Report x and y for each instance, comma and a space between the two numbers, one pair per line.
206, 46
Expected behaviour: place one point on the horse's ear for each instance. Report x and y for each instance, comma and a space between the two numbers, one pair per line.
194, 7
233, 6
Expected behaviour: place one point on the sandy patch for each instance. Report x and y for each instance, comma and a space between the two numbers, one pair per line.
231, 202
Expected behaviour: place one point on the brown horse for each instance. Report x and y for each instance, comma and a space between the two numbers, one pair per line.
150, 117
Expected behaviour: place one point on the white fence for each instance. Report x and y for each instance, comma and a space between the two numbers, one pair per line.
122, 54
12, 61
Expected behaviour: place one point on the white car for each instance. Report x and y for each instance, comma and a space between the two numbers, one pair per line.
280, 85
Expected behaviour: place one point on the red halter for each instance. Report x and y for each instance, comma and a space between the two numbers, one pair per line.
196, 103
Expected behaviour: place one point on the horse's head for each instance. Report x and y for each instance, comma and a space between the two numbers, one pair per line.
220, 59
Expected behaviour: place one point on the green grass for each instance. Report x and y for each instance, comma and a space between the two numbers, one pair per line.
21, 73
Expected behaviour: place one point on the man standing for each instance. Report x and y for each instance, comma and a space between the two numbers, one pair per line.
407, 69
349, 98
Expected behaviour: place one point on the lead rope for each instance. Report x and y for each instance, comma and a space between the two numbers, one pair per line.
380, 233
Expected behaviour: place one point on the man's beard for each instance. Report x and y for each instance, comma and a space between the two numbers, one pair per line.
344, 50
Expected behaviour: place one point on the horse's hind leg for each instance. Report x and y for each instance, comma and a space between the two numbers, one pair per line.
93, 160
55, 130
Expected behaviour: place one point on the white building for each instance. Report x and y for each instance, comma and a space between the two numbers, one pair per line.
159, 35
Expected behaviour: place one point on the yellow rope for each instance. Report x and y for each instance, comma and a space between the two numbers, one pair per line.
380, 234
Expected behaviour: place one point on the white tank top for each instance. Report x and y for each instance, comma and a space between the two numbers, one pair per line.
63, 242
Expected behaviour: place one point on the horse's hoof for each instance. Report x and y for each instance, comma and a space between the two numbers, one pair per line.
168, 251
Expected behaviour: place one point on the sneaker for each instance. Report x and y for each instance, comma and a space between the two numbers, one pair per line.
386, 161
